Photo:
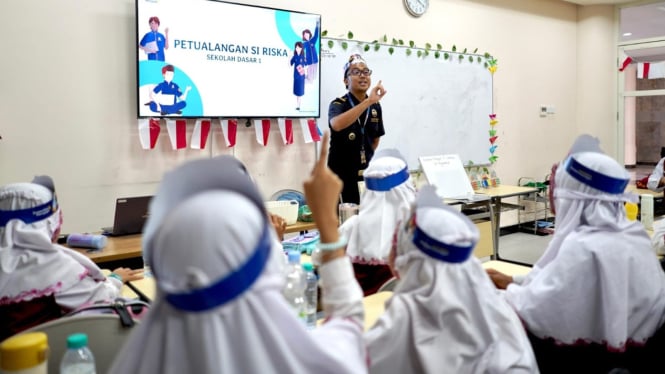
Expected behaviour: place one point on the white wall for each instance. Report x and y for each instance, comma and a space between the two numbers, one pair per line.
67, 90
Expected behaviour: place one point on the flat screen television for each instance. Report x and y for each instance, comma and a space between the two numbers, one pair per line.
205, 58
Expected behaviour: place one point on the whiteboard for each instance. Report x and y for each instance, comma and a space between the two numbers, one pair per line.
432, 106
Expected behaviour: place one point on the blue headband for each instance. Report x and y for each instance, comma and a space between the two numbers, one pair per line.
388, 182
30, 215
595, 179
438, 250
229, 287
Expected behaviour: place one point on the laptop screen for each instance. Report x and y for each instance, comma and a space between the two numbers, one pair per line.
130, 215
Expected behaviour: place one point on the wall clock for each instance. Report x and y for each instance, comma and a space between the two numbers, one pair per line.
416, 7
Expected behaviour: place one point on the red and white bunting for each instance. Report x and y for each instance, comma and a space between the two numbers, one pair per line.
229, 129
310, 131
177, 129
286, 130
148, 132
262, 129
651, 70
200, 134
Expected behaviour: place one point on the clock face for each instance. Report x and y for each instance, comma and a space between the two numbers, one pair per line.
416, 7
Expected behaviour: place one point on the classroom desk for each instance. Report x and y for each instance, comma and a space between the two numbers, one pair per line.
374, 304
126, 247
507, 267
117, 248
496, 194
300, 226
640, 191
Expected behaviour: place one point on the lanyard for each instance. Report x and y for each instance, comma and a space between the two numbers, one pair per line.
363, 159
362, 125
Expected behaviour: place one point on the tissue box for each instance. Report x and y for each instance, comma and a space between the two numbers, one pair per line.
287, 209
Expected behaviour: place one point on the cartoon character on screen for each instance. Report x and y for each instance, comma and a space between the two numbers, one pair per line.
166, 97
298, 63
311, 55
154, 43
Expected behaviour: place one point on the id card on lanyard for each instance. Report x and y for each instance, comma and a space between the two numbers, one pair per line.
363, 158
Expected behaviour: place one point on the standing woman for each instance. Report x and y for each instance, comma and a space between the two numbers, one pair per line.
298, 63
311, 56
356, 125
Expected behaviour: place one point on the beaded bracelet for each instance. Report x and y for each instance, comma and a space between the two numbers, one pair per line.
341, 243
116, 276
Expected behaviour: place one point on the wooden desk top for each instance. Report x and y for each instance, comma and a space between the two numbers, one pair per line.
504, 190
124, 247
374, 304
633, 188
507, 267
117, 248
300, 226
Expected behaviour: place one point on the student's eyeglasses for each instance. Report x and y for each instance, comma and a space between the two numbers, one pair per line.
358, 72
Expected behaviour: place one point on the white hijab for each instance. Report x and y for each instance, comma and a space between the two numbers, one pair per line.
445, 316
599, 266
387, 200
31, 266
201, 239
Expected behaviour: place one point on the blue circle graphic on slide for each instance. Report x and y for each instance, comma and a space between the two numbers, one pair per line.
285, 29
150, 74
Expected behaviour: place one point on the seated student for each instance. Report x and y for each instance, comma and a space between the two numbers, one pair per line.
597, 295
656, 181
387, 199
445, 315
219, 275
39, 280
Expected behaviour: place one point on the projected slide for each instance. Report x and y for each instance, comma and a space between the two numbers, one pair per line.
200, 58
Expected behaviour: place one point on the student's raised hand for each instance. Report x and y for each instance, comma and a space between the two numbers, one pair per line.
128, 274
500, 280
322, 191
377, 93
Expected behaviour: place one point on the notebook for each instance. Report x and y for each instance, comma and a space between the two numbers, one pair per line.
130, 216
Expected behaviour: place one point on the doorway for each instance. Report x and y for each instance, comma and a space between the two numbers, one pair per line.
641, 115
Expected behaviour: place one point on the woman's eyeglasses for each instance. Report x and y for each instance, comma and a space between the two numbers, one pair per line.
358, 72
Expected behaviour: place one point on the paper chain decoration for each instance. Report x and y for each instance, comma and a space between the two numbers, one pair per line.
493, 138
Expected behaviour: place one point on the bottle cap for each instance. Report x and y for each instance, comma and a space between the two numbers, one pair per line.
294, 257
76, 341
631, 211
307, 266
23, 351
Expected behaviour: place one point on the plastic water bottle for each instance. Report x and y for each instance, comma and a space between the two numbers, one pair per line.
646, 211
311, 294
147, 272
294, 288
87, 241
77, 359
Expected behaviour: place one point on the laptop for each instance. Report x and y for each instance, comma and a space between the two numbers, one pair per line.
130, 216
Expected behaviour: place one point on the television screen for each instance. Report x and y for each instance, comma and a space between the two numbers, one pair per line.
204, 58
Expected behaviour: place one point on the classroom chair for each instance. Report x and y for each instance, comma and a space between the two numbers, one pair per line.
595, 358
106, 335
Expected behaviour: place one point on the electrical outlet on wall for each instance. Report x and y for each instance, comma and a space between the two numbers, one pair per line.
543, 110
